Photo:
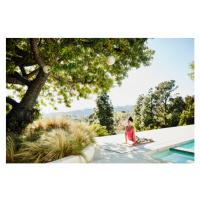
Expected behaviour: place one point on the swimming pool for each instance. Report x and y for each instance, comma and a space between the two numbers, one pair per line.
178, 154
189, 145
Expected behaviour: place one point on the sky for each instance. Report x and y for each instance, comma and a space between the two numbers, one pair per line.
170, 62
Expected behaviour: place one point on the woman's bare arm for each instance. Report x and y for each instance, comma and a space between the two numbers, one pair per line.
125, 136
134, 138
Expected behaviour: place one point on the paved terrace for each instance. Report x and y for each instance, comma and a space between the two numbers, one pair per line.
108, 151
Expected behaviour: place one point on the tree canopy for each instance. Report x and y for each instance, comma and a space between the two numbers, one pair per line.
77, 66
57, 70
159, 108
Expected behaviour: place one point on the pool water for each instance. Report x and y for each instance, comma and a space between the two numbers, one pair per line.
177, 157
188, 146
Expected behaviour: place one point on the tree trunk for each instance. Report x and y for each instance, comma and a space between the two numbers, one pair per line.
23, 113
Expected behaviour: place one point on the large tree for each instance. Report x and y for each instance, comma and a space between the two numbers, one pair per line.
148, 108
154, 110
176, 107
163, 93
59, 69
137, 112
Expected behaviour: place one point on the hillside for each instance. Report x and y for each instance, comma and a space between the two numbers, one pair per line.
88, 111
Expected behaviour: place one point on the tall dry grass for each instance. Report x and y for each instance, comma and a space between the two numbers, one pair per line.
52, 139
13, 144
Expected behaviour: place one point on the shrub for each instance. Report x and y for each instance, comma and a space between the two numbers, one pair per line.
136, 125
187, 116
99, 130
45, 141
13, 144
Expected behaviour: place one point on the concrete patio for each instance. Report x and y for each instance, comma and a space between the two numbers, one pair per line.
107, 150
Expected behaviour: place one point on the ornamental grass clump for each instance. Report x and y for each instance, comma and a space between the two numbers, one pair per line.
13, 144
10, 149
46, 141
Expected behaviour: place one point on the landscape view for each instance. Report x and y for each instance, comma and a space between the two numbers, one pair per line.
64, 94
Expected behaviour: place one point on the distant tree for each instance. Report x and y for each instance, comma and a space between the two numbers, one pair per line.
137, 111
187, 117
148, 117
105, 112
158, 108
191, 75
176, 107
136, 125
189, 100
162, 95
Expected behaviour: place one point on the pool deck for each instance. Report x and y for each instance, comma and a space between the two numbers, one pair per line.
107, 150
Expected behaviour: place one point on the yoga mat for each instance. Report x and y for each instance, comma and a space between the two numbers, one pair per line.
118, 147
129, 145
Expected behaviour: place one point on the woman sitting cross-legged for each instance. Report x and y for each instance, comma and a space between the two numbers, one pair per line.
130, 134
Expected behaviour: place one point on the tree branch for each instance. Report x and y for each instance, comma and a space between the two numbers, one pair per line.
36, 52
12, 80
21, 79
23, 71
21, 61
35, 72
27, 64
48, 40
21, 52
86, 40
11, 101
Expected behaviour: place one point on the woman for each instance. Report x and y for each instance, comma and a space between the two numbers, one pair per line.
130, 134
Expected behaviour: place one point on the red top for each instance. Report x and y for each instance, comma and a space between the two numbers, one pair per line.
129, 133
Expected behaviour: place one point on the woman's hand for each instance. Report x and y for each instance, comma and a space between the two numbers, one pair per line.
134, 143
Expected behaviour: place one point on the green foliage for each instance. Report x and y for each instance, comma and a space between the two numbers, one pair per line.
37, 114
77, 66
148, 110
159, 109
191, 67
176, 107
105, 112
189, 100
151, 127
8, 108
136, 125
137, 109
93, 119
162, 96
99, 130
187, 116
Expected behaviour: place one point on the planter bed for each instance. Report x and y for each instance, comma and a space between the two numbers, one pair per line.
88, 152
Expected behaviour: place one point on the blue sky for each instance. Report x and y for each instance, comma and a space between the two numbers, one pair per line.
171, 60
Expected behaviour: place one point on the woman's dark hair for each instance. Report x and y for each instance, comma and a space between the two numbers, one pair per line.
130, 119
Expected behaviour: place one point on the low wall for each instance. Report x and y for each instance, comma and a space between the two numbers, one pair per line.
88, 152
